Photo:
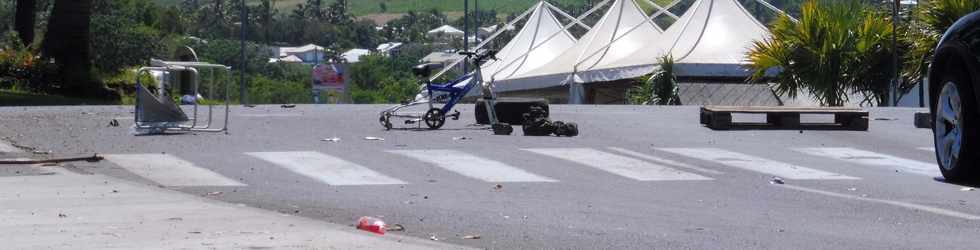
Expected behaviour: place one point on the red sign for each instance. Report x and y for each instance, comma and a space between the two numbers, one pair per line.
329, 77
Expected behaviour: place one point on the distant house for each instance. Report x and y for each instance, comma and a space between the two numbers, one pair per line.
389, 49
484, 32
445, 33
445, 58
287, 59
354, 55
309, 54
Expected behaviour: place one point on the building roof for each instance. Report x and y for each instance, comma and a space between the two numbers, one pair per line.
354, 55
285, 51
446, 29
444, 57
386, 47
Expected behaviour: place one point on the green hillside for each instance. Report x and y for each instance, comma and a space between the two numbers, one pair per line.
367, 7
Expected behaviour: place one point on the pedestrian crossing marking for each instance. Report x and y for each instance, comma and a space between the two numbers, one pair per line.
328, 169
863, 157
662, 160
757, 164
473, 166
7, 148
619, 165
169, 170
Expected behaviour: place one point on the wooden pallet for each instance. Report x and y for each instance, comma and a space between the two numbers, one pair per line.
720, 117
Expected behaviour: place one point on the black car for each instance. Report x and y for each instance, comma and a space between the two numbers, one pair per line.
954, 79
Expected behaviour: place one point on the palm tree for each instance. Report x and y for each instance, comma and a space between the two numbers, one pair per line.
932, 18
24, 21
838, 48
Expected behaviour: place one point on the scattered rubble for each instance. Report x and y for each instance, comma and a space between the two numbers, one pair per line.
396, 228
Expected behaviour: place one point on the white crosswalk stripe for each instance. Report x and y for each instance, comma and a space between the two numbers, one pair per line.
169, 170
756, 164
662, 160
619, 165
873, 159
473, 166
328, 169
6, 148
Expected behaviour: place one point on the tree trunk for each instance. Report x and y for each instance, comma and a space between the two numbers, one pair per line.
24, 21
67, 42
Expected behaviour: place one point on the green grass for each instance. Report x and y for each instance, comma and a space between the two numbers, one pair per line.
14, 98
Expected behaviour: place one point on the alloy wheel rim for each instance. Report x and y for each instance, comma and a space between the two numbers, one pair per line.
949, 126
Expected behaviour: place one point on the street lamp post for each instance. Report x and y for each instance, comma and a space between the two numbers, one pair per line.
466, 31
896, 79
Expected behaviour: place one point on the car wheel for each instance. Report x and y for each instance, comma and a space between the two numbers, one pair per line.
955, 128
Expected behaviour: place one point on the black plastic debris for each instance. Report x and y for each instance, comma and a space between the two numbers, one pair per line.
536, 123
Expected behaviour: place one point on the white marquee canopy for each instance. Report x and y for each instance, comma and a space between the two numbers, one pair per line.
710, 39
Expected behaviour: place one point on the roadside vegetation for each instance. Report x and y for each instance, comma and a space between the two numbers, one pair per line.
842, 48
89, 49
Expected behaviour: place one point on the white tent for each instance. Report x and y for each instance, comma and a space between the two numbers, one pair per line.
622, 31
711, 39
540, 40
445, 30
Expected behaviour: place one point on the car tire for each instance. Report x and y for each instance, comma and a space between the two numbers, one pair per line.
956, 165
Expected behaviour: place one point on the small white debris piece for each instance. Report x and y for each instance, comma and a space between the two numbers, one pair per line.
777, 181
372, 138
334, 139
966, 189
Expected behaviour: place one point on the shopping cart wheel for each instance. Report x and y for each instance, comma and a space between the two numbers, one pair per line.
434, 118
385, 120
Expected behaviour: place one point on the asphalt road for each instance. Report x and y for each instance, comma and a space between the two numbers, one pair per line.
637, 177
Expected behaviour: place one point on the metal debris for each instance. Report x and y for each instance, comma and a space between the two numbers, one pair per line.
472, 237
433, 237
777, 181
334, 139
114, 123
372, 138
93, 158
288, 106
